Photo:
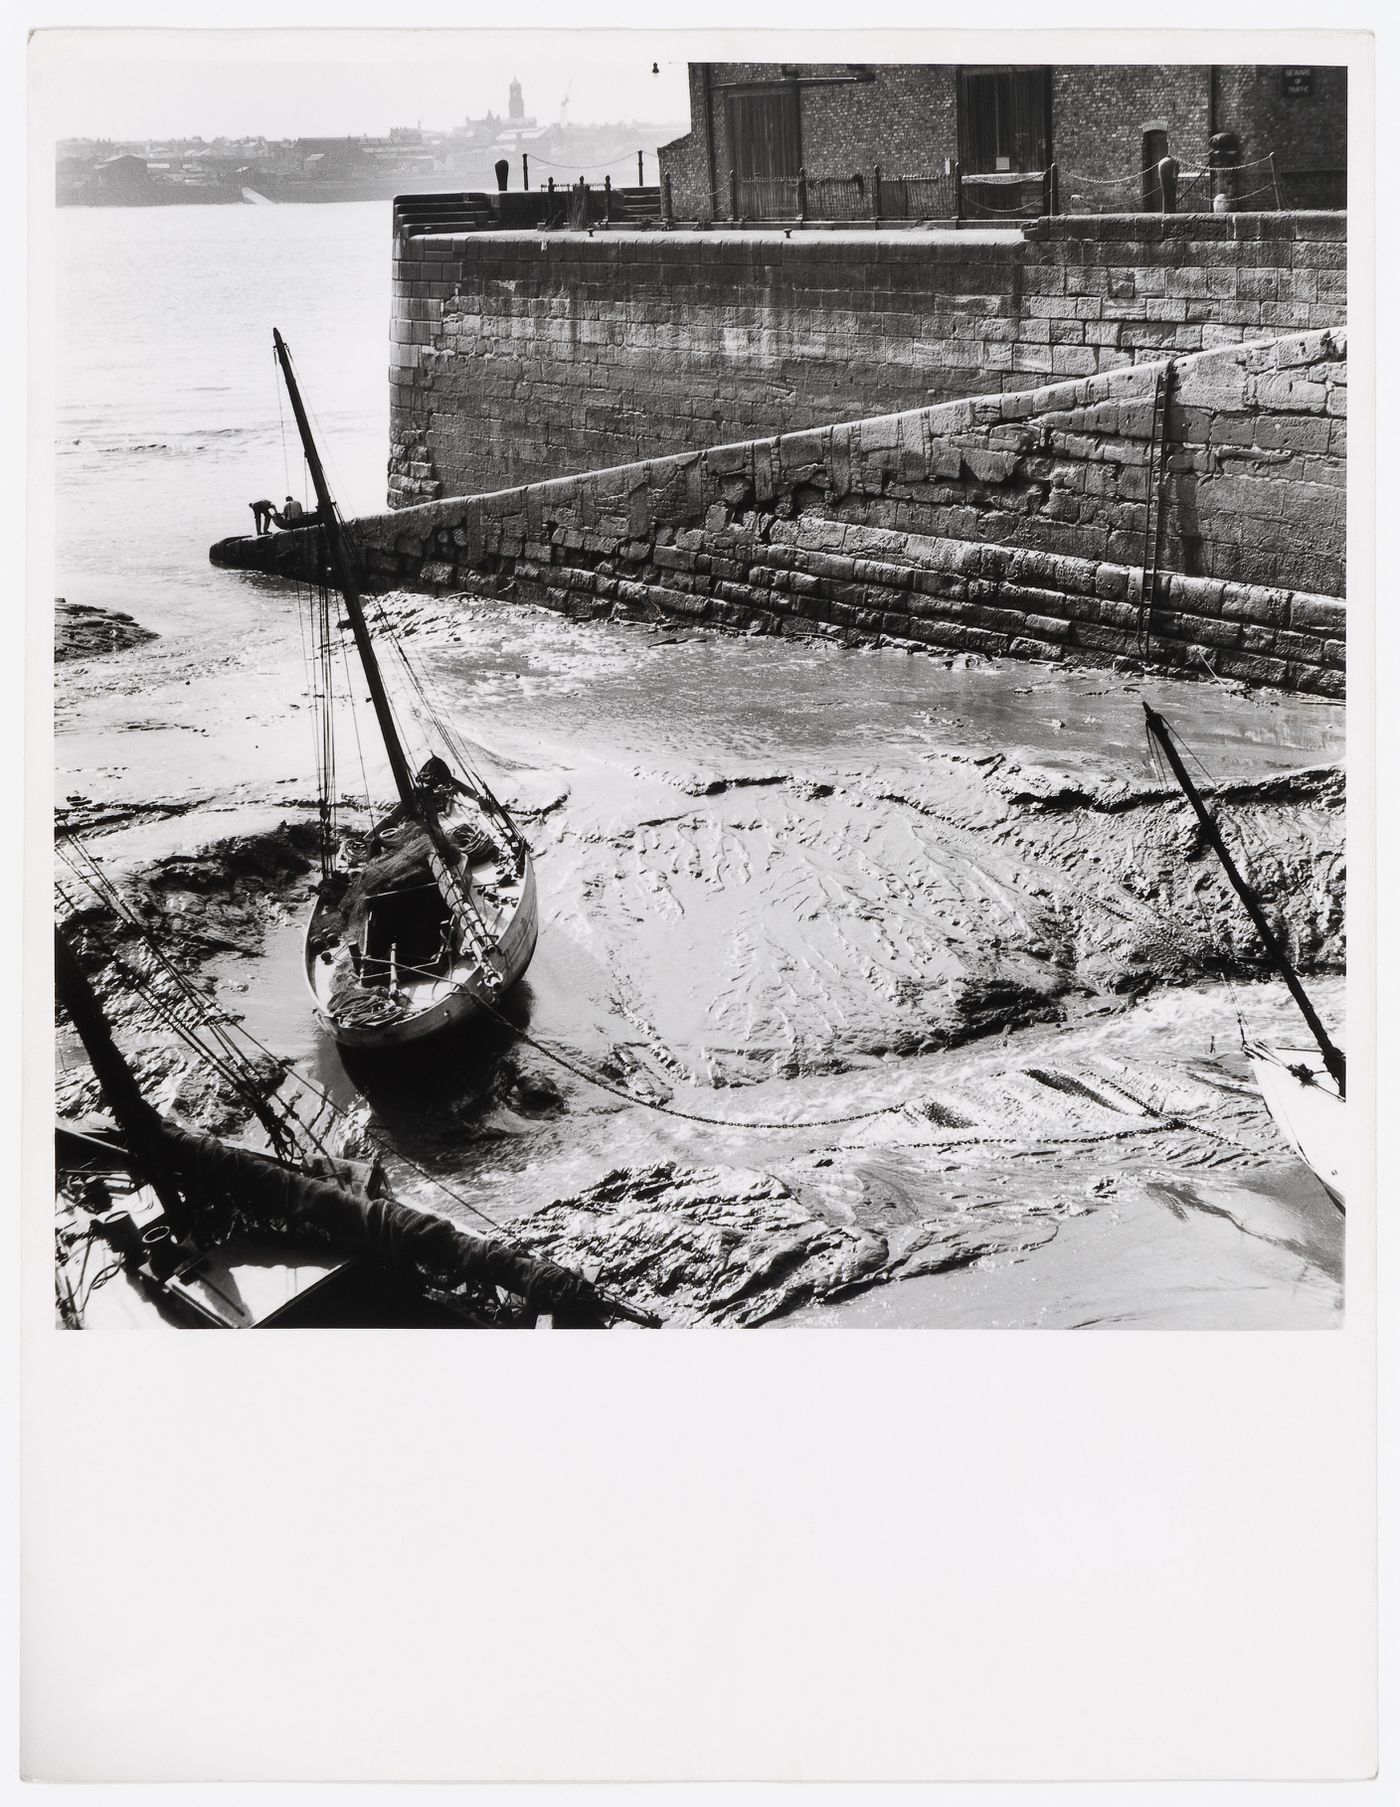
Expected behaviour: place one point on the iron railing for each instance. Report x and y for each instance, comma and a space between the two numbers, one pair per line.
917, 197
581, 204
837, 198
1007, 195
984, 198
764, 198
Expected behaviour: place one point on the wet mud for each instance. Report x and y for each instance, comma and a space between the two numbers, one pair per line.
83, 632
942, 920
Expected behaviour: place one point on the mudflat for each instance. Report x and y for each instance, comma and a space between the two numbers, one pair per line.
942, 916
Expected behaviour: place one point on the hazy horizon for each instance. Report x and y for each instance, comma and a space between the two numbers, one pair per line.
137, 85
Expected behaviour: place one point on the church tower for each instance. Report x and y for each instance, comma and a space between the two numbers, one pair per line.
517, 100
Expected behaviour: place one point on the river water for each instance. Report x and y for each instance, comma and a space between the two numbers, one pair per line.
780, 882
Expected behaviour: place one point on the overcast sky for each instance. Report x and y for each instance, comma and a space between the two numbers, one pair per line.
286, 84
324, 82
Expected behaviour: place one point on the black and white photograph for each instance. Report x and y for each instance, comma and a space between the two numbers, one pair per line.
702, 693
687, 679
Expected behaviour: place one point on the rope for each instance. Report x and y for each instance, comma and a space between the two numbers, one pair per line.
666, 1110
338, 1111
612, 162
230, 1061
229, 1070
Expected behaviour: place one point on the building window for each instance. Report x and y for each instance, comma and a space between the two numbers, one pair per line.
1003, 119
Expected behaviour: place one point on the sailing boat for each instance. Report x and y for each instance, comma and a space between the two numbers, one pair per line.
432, 917
1304, 1089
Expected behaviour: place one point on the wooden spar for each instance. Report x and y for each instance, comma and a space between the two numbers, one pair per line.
344, 579
453, 884
1332, 1057
138, 1119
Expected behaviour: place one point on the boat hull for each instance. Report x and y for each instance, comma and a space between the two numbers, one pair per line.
464, 994
1310, 1113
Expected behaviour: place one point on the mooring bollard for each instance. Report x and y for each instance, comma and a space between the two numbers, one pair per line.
1224, 162
666, 208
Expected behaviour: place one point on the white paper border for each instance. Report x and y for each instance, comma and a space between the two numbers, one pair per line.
811, 1555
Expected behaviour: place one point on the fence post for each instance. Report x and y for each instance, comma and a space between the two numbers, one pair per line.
733, 194
640, 182
1273, 171
666, 213
525, 169
876, 199
957, 191
607, 200
1052, 190
551, 184
802, 195
1166, 182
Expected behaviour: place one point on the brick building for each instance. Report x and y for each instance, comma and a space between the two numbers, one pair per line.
887, 139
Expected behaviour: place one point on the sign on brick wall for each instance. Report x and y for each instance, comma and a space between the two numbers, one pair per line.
1297, 83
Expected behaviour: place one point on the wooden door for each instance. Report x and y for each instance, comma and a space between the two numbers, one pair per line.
1003, 120
765, 150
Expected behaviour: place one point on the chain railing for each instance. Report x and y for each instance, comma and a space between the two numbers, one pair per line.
985, 198
1139, 191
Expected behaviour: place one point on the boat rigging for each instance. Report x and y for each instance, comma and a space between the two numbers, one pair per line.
203, 1233
431, 917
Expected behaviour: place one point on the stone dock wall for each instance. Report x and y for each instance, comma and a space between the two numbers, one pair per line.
520, 356
1009, 524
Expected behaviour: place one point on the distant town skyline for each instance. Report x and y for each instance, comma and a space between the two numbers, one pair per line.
297, 84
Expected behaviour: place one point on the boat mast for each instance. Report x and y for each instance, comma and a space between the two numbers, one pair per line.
453, 881
1332, 1057
345, 582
